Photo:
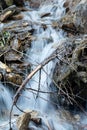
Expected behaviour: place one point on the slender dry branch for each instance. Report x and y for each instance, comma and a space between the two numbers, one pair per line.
46, 61
39, 83
30, 76
68, 95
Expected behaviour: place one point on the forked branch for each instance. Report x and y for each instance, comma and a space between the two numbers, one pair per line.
39, 67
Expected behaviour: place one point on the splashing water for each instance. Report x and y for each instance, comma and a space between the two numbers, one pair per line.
41, 48
5, 102
45, 43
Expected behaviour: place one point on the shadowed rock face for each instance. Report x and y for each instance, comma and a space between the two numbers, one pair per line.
5, 3
18, 2
74, 80
77, 14
81, 16
33, 3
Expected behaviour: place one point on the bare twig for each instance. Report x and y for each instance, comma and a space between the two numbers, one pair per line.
19, 109
39, 83
48, 92
68, 95
46, 61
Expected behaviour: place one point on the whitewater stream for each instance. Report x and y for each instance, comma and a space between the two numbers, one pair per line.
45, 43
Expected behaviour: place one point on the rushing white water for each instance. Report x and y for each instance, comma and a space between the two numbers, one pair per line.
5, 102
45, 43
42, 47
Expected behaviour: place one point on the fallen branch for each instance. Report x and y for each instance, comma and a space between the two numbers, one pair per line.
46, 61
39, 84
30, 76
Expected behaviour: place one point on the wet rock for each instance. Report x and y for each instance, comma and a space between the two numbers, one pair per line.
20, 68
0, 76
13, 78
4, 68
12, 56
8, 12
74, 3
71, 4
67, 24
6, 3
77, 15
18, 26
17, 17
34, 4
80, 16
82, 75
16, 44
12, 51
70, 28
23, 121
77, 117
45, 15
66, 4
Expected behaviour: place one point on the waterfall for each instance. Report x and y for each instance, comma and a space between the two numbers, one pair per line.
46, 42
5, 102
36, 96
44, 45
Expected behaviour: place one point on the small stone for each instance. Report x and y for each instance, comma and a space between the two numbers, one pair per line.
17, 17
66, 4
13, 56
4, 67
77, 117
7, 13
16, 44
23, 121
13, 78
0, 76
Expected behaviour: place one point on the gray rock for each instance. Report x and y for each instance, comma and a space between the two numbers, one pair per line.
80, 16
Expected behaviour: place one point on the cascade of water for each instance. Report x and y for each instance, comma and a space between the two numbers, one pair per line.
46, 42
5, 102
43, 46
